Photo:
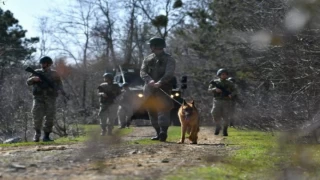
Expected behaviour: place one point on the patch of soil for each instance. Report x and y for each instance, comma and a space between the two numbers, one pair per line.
111, 157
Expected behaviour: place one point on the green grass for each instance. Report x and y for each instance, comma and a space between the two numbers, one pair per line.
249, 155
174, 135
144, 142
123, 132
253, 155
86, 130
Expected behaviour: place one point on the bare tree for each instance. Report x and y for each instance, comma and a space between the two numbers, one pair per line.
130, 33
44, 30
73, 33
137, 32
173, 14
106, 30
141, 35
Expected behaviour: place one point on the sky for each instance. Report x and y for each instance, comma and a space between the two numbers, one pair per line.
28, 12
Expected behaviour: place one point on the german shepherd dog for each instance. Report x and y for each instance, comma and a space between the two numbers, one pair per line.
189, 119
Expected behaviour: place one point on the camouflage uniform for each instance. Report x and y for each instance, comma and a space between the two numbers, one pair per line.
159, 68
108, 106
44, 101
125, 110
222, 105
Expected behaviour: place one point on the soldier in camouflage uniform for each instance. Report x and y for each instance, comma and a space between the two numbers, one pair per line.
222, 104
44, 99
157, 70
108, 92
125, 109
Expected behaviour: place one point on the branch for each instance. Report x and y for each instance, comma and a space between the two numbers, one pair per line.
149, 17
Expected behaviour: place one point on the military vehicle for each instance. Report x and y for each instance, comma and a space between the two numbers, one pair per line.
131, 75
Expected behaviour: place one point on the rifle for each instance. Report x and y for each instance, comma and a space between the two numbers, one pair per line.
46, 80
224, 91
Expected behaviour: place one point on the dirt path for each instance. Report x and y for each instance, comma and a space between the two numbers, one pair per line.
107, 158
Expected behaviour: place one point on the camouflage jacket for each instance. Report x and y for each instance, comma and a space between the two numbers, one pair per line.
42, 88
228, 85
159, 68
111, 90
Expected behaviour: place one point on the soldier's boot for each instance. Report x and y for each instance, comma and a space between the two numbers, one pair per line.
157, 135
128, 124
163, 133
103, 131
225, 131
231, 124
110, 130
46, 137
217, 131
36, 137
122, 126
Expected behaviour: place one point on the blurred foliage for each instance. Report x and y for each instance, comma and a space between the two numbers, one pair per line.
252, 154
177, 4
269, 47
14, 46
276, 67
160, 21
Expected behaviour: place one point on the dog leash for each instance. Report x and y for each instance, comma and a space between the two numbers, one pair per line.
170, 96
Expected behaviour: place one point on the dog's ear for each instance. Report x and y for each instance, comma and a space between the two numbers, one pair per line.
192, 102
183, 102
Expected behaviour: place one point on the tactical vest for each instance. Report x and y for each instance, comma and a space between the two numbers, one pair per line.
42, 88
111, 90
157, 67
227, 85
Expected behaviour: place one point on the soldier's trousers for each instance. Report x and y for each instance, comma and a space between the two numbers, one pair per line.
124, 115
107, 114
159, 109
44, 107
221, 111
158, 105
159, 119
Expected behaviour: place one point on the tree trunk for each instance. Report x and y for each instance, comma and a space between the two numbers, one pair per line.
84, 85
128, 51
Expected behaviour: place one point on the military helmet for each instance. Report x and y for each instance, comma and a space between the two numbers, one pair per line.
222, 70
46, 59
108, 75
157, 42
232, 79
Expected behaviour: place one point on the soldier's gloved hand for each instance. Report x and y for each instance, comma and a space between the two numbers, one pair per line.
230, 96
157, 85
102, 94
218, 90
36, 79
151, 83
